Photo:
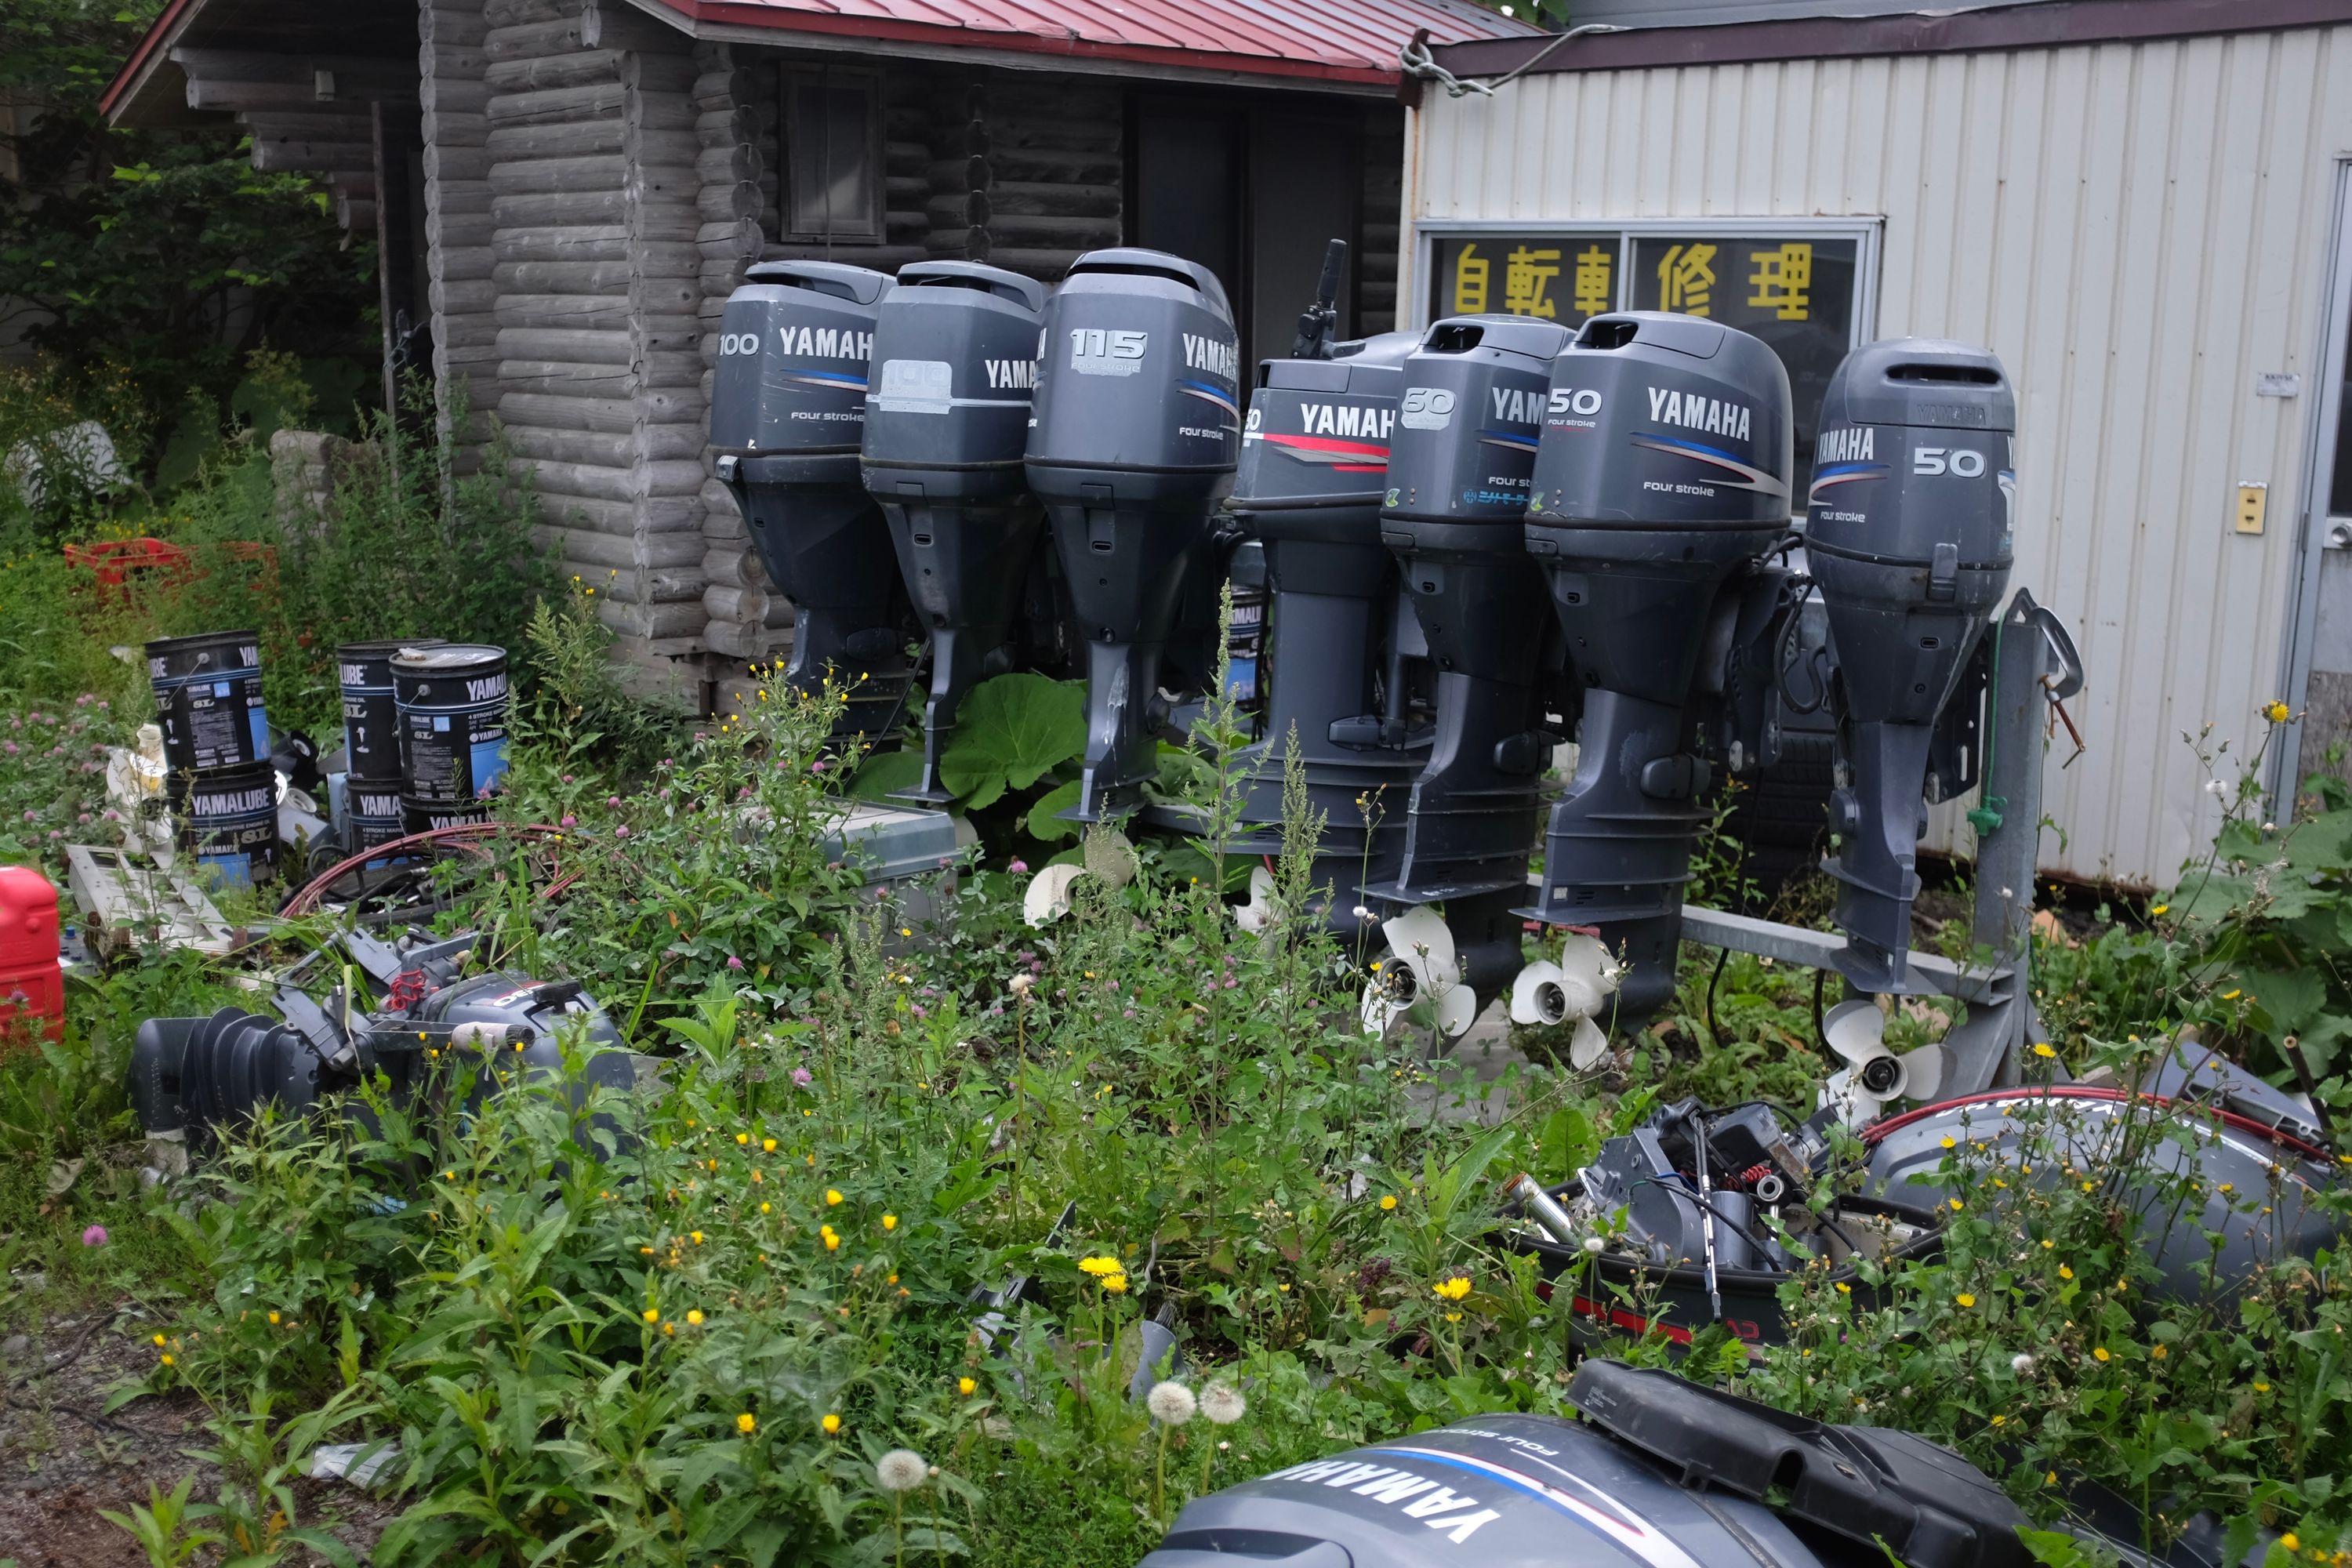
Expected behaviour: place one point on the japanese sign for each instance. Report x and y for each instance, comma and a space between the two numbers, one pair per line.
1796, 293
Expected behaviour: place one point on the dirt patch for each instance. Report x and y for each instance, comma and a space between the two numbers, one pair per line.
63, 1459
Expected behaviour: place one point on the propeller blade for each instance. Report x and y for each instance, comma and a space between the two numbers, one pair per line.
1258, 913
1457, 1009
1855, 1031
1588, 958
1585, 1051
1536, 993
1048, 895
1923, 1072
1422, 944
1856, 1106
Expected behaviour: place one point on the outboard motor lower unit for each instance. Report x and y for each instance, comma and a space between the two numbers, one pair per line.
1663, 470
1908, 533
1314, 467
1136, 430
955, 348
787, 417
1466, 427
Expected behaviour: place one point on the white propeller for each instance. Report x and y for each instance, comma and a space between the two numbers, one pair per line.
1873, 1076
1048, 896
1578, 986
1420, 962
1258, 913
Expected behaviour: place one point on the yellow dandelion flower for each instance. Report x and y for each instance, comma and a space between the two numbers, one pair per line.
2100, 1354
832, 1424
889, 1222
832, 1198
966, 1385
1115, 1283
653, 1314
2065, 1271
166, 1359
1388, 1202
766, 1207
2277, 713
746, 1423
694, 1318
832, 1243
742, 1138
1965, 1298
2042, 1050
768, 1144
2160, 909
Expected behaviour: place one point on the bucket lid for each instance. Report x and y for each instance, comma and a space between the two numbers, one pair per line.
428, 659
200, 640
383, 646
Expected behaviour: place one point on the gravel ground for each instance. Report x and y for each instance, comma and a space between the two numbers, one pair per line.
62, 1460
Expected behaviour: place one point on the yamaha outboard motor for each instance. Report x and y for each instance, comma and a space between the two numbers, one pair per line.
1908, 535
1136, 430
1453, 516
1660, 1472
1314, 467
955, 347
1663, 470
787, 414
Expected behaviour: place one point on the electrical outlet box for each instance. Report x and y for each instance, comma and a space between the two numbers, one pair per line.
2252, 498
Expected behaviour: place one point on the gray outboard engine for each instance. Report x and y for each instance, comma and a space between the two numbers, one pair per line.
787, 416
1136, 430
1663, 470
1908, 535
1314, 467
947, 422
1661, 1473
1458, 467
414, 1016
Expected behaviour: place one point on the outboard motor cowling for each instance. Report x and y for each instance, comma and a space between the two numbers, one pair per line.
1314, 467
787, 417
1663, 470
1136, 429
947, 424
1908, 535
1459, 470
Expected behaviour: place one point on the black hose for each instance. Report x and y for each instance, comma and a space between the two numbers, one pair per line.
1715, 1031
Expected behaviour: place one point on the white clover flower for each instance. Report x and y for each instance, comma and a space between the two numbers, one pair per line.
2022, 1365
1170, 1403
900, 1470
1222, 1404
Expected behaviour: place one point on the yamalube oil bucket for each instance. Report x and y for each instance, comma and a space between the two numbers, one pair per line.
452, 706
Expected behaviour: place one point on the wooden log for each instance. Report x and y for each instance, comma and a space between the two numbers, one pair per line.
452, 264
356, 213
464, 199
1051, 233
319, 122
452, 95
449, 130
528, 176
606, 449
469, 332
734, 567
508, 70
646, 262
587, 242
506, 15
883, 257
654, 621
439, 22
737, 641
549, 209
721, 91
667, 475
463, 296
560, 484
743, 202
586, 547
646, 514
556, 105
287, 157
459, 231
727, 164
570, 140
585, 415
572, 347
556, 378
735, 601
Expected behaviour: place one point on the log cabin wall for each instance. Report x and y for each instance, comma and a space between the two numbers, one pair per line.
597, 273
453, 97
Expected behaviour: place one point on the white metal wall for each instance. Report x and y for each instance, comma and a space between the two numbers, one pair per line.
2138, 229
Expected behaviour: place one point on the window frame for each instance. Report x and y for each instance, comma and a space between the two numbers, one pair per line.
869, 227
1866, 232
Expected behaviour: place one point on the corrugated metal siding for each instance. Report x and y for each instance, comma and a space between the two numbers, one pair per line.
2138, 229
1713, 13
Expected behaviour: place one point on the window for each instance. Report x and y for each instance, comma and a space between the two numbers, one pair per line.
832, 154
1808, 289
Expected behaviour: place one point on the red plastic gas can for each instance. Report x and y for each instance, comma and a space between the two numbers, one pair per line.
32, 983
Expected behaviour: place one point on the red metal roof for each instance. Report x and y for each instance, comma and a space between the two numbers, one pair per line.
1328, 40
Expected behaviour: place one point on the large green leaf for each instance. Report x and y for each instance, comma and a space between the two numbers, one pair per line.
1009, 732
1046, 822
885, 772
2286, 1000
